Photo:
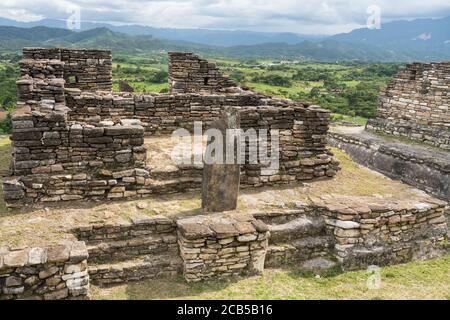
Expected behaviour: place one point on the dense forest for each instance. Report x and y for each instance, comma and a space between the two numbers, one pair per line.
8, 76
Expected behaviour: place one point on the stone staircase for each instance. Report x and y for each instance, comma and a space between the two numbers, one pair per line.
148, 247
141, 249
299, 239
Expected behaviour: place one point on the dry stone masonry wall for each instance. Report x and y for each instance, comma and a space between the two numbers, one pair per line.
44, 273
352, 232
221, 245
189, 73
88, 70
368, 232
416, 104
142, 248
428, 170
79, 140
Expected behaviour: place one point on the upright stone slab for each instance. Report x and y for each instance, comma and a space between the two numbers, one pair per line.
221, 176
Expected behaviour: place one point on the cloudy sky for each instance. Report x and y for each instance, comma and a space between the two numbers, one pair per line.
301, 16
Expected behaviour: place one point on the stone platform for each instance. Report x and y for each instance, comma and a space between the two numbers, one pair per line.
355, 220
419, 165
222, 245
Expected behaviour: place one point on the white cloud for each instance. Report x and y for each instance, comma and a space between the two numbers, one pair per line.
20, 15
302, 16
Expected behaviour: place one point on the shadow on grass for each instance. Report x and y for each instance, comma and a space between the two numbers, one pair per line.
296, 273
174, 288
178, 288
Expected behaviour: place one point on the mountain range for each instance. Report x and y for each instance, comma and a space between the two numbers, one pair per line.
423, 39
201, 36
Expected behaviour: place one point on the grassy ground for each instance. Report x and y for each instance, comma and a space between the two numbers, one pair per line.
146, 87
5, 156
356, 120
407, 140
417, 280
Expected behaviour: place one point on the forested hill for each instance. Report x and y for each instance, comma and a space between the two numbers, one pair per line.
15, 38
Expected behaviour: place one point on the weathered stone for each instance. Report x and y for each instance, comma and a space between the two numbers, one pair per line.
16, 258
13, 281
193, 230
344, 224
347, 233
44, 274
57, 295
247, 238
37, 256
221, 176
224, 229
13, 290
58, 253
318, 264
78, 252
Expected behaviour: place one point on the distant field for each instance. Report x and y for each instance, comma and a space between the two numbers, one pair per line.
350, 89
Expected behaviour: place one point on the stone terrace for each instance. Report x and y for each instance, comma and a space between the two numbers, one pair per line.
72, 141
355, 219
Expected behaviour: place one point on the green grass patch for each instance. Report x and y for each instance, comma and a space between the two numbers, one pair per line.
5, 158
415, 280
335, 117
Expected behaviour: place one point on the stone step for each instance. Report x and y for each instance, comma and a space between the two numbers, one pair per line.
121, 250
296, 229
162, 175
299, 250
144, 267
175, 185
138, 226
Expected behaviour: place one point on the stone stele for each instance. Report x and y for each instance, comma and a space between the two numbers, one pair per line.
221, 175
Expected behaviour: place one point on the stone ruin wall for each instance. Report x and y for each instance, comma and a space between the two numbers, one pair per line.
415, 104
69, 144
52, 272
189, 73
72, 143
354, 232
425, 171
88, 70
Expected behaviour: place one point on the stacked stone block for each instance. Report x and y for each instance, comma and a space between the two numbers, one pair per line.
297, 235
55, 160
142, 248
302, 128
367, 232
415, 104
73, 142
142, 235
221, 245
88, 70
44, 273
425, 169
189, 73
